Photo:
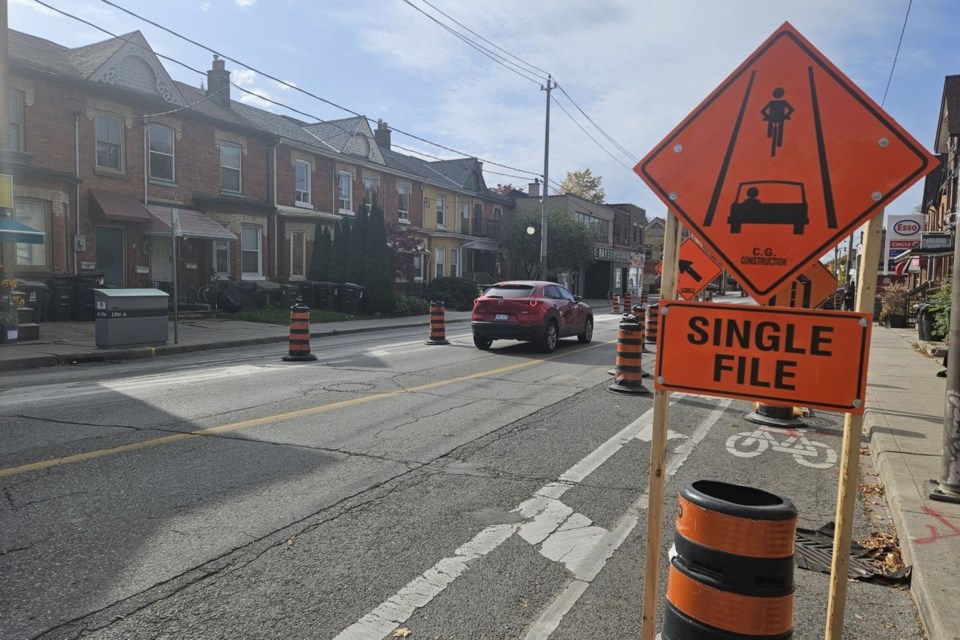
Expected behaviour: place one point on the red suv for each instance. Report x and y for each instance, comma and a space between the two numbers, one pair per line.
542, 312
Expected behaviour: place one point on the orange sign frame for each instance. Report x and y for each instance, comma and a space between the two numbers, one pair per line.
786, 157
776, 355
697, 269
809, 290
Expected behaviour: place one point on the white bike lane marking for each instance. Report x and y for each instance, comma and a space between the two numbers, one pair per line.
805, 452
547, 522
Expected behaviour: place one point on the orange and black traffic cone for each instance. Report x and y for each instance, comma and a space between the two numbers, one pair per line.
629, 361
653, 319
299, 350
616, 303
438, 327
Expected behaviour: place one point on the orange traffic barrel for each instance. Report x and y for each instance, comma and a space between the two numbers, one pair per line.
653, 319
732, 575
627, 301
299, 349
616, 303
640, 313
775, 415
438, 326
628, 373
643, 298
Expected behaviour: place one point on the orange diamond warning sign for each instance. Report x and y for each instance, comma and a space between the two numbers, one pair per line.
782, 160
697, 269
808, 290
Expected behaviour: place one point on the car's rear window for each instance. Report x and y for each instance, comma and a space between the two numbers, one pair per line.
518, 291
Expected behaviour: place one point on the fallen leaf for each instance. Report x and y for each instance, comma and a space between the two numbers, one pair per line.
402, 632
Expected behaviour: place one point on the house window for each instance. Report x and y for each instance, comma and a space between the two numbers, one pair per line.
109, 143
161, 152
230, 158
478, 219
438, 262
221, 257
418, 263
36, 214
345, 189
371, 188
464, 217
497, 214
250, 263
441, 211
301, 178
298, 252
455, 262
403, 207
15, 126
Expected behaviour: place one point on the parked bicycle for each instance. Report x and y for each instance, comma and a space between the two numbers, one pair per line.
220, 293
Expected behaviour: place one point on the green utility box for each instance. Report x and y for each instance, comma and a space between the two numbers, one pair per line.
126, 317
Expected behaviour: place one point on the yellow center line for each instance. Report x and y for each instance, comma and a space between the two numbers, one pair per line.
292, 415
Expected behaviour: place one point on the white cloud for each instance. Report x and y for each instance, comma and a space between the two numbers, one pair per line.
286, 85
256, 98
243, 77
204, 6
245, 4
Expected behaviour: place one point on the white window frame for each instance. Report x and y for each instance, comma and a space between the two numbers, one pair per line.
251, 275
222, 246
16, 117
39, 256
439, 262
226, 167
298, 240
108, 144
455, 262
441, 212
418, 267
371, 186
345, 198
172, 155
403, 206
301, 197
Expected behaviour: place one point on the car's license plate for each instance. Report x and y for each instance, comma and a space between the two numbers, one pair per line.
501, 316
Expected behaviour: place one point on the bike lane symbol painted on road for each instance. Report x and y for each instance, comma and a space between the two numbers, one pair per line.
806, 452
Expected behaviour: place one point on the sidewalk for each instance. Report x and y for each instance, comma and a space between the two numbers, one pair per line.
903, 422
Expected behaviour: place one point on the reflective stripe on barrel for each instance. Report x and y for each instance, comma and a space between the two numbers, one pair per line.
653, 318
733, 568
438, 329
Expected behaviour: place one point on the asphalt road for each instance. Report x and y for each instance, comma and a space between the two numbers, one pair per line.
390, 484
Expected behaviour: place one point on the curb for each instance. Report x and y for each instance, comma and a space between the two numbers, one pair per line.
37, 361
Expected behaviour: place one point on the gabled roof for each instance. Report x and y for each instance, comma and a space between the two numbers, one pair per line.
949, 123
283, 126
350, 136
932, 185
199, 103
109, 62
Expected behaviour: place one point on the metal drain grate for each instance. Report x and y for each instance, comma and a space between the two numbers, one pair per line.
349, 387
819, 422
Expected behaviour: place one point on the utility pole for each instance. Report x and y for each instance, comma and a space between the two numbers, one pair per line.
546, 183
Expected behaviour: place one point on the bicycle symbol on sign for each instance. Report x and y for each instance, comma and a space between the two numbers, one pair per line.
815, 455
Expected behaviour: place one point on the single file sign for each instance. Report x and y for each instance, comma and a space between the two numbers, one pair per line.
789, 356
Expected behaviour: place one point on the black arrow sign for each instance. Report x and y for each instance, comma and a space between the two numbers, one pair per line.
686, 266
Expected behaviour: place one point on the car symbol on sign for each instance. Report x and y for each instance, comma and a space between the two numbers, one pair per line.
769, 202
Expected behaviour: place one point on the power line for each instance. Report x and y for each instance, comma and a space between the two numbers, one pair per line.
605, 150
510, 66
469, 30
266, 75
897, 54
632, 157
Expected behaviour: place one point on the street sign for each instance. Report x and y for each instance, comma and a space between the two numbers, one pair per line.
786, 157
697, 269
787, 356
809, 290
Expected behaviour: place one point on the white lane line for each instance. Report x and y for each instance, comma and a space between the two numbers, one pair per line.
591, 565
421, 590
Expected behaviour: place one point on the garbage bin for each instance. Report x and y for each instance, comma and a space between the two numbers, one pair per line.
350, 298
82, 307
307, 295
35, 294
324, 295
925, 323
60, 298
130, 316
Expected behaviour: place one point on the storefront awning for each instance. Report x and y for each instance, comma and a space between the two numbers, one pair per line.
482, 244
909, 254
119, 207
195, 224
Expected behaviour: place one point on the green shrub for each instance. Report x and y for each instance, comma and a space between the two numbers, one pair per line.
410, 306
940, 307
457, 294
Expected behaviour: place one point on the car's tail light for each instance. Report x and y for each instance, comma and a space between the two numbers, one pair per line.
534, 303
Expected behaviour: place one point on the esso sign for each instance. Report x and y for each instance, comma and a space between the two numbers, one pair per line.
906, 228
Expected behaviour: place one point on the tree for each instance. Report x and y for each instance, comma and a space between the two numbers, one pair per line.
378, 296
322, 248
583, 184
505, 189
356, 250
338, 256
569, 243
403, 244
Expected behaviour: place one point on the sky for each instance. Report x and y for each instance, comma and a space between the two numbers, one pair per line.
633, 68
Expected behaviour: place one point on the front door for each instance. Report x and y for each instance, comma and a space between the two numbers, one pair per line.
110, 255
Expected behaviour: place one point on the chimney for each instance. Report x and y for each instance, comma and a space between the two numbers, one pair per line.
534, 188
218, 82
382, 134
